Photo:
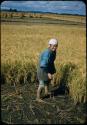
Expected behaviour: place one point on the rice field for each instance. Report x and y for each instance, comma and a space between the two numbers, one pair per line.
21, 45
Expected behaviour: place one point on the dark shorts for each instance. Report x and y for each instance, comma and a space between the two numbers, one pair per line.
43, 83
42, 74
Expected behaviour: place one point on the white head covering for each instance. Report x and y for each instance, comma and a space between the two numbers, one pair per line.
53, 41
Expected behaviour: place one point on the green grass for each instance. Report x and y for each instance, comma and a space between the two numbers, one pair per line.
44, 20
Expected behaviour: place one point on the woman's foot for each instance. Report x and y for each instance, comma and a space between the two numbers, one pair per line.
39, 100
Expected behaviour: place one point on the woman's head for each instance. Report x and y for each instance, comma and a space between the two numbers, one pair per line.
53, 44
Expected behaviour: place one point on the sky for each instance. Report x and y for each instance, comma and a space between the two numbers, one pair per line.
69, 7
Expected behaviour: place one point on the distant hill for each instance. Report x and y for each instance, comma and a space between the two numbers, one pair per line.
39, 12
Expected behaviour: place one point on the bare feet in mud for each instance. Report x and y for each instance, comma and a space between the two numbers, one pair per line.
39, 100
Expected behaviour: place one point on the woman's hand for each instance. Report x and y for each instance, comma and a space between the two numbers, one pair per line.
49, 76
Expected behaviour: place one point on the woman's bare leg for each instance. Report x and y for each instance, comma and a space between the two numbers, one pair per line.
39, 90
46, 89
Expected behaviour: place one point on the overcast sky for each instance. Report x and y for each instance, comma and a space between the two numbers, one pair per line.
70, 7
